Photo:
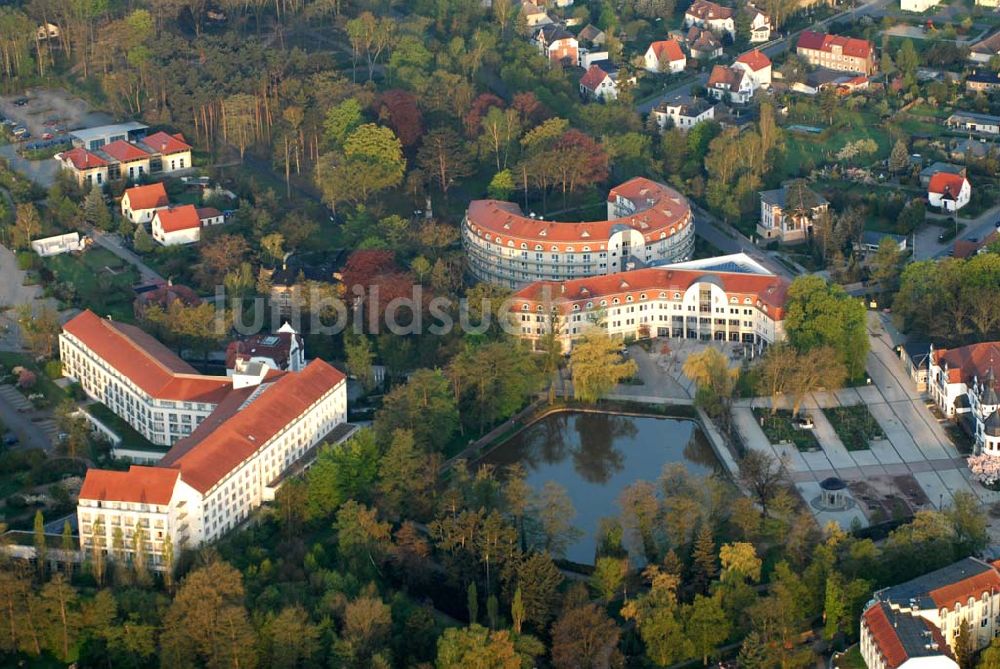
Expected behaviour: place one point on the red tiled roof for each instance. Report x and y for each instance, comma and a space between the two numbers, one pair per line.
276, 346
146, 362
885, 637
756, 60
849, 46
723, 77
768, 289
668, 50
208, 212
946, 182
124, 152
83, 159
702, 40
231, 435
974, 586
593, 77
966, 362
705, 10
184, 217
147, 197
660, 211
163, 143
148, 485
965, 248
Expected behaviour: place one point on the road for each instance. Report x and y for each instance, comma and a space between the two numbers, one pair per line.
770, 49
926, 244
728, 239
31, 435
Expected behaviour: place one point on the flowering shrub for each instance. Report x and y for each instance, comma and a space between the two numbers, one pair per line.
26, 379
985, 469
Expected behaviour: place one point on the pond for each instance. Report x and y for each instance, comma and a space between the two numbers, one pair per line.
596, 455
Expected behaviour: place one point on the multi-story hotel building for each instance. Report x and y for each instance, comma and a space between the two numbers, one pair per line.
963, 383
261, 424
844, 54
916, 623
648, 222
730, 298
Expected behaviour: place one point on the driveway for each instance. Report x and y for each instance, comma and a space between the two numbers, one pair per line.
113, 243
19, 422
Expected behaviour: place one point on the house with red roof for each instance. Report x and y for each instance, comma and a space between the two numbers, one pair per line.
702, 43
233, 439
757, 65
139, 203
834, 52
664, 57
948, 191
747, 303
171, 153
731, 84
600, 81
173, 226
916, 624
711, 16
127, 161
965, 384
89, 168
557, 44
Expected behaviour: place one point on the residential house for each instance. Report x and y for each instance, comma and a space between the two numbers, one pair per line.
534, 16
664, 56
683, 112
171, 153
183, 224
702, 43
282, 351
984, 50
916, 358
917, 5
598, 83
725, 299
712, 16
557, 44
964, 149
162, 297
139, 203
982, 81
128, 161
235, 439
871, 240
757, 65
966, 248
731, 84
843, 54
974, 122
592, 36
964, 383
759, 22
59, 244
789, 214
949, 192
934, 168
131, 159
588, 58
89, 168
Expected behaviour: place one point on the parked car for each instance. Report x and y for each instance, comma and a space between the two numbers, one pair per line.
10, 439
804, 423
20, 102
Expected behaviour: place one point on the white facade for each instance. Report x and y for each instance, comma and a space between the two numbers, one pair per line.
951, 204
684, 116
138, 215
652, 62
760, 26
174, 237
974, 397
917, 5
761, 78
53, 246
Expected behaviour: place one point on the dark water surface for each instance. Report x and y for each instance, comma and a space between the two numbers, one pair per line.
595, 455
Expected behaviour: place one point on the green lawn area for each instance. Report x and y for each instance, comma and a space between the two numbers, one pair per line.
53, 393
855, 426
101, 281
130, 438
778, 428
850, 660
804, 151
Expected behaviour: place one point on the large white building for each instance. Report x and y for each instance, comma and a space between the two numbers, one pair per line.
729, 298
963, 383
647, 222
915, 624
250, 430
95, 161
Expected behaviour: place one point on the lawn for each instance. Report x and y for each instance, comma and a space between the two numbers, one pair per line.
805, 151
130, 438
850, 660
100, 281
779, 429
855, 426
44, 385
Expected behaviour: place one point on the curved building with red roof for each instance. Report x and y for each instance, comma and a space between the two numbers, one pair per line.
648, 222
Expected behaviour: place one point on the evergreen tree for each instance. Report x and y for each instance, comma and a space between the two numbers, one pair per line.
68, 550
41, 549
95, 210
97, 563
517, 611
752, 654
473, 601
703, 558
142, 241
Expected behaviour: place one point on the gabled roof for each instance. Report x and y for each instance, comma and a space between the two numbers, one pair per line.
233, 432
147, 363
727, 78
700, 39
124, 152
900, 636
667, 50
849, 46
944, 587
590, 33
82, 159
143, 485
208, 212
161, 142
966, 362
709, 11
184, 217
989, 46
946, 183
756, 60
147, 197
593, 77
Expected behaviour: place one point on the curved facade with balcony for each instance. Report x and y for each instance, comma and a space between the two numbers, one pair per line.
648, 223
